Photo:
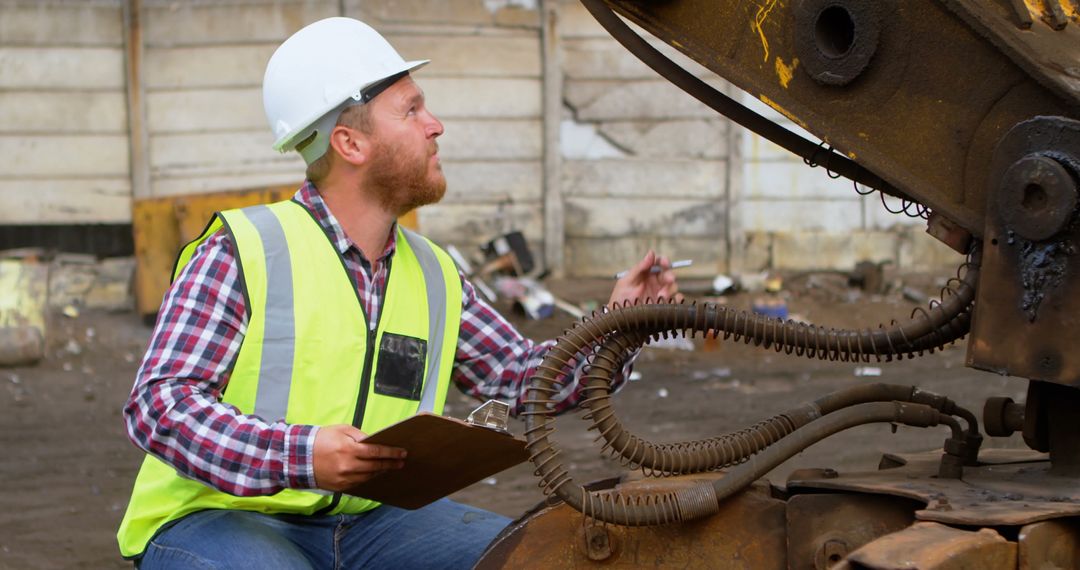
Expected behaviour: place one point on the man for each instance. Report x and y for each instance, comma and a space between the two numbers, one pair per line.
293, 329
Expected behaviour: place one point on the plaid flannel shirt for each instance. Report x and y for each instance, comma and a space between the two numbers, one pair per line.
175, 410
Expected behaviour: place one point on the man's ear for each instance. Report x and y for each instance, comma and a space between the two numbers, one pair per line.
351, 145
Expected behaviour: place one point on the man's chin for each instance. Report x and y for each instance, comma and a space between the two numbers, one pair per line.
431, 195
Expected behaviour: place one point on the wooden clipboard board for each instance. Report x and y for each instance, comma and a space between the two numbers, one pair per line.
445, 455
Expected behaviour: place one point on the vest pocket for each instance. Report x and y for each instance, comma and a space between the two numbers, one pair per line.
400, 372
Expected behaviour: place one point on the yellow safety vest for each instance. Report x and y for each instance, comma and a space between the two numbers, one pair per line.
310, 357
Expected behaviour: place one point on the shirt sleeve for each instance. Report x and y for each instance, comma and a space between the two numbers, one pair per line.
175, 412
494, 361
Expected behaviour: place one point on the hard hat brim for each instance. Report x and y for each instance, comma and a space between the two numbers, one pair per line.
287, 142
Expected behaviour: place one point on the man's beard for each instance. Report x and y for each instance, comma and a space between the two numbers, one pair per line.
400, 181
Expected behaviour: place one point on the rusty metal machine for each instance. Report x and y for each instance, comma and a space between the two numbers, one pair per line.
965, 110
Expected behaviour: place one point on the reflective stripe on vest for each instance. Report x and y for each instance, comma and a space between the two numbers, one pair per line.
273, 396
304, 349
436, 313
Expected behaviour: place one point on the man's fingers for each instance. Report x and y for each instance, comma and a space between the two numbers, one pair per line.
375, 451
644, 265
375, 466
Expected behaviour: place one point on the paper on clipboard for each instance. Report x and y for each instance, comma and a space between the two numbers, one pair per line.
445, 455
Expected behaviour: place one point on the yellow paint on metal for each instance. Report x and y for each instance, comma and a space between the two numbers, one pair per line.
785, 72
1038, 9
1070, 10
759, 19
782, 111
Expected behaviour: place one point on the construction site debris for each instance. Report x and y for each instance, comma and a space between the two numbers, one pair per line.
914, 295
722, 284
770, 306
21, 345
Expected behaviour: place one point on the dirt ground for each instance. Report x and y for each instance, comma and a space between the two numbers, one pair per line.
67, 465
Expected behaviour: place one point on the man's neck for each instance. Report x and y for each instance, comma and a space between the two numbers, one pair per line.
364, 222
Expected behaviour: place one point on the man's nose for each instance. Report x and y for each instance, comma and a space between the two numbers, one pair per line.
434, 126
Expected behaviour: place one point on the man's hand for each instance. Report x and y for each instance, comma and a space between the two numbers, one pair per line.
640, 283
343, 460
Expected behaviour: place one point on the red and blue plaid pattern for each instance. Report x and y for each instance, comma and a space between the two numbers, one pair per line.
175, 413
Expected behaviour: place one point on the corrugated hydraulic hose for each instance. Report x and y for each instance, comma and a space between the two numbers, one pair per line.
704, 499
722, 451
614, 335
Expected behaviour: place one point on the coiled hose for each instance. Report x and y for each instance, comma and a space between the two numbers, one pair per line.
704, 499
621, 331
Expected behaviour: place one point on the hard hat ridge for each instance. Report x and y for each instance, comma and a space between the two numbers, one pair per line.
318, 72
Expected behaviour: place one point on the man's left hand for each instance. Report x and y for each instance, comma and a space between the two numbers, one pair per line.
641, 284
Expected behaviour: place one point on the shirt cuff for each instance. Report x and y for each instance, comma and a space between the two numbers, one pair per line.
300, 456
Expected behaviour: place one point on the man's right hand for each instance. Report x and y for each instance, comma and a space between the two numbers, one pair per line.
342, 459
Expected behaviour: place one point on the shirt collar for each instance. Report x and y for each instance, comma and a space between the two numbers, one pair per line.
308, 196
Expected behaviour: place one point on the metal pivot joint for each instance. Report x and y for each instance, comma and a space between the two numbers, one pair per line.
1037, 197
836, 39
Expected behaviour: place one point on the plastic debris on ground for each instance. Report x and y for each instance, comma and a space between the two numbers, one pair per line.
508, 265
530, 298
722, 284
914, 295
752, 282
862, 371
774, 307
773, 284
672, 343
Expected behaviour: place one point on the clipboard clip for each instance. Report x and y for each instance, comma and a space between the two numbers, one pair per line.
492, 414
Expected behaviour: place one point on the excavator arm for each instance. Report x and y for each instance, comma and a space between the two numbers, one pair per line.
967, 111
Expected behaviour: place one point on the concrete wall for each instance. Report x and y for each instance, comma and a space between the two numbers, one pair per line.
791, 216
202, 71
622, 162
485, 84
644, 164
63, 113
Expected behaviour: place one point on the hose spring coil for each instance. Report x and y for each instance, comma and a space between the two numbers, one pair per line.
612, 337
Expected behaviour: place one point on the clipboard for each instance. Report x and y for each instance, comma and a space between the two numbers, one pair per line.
445, 455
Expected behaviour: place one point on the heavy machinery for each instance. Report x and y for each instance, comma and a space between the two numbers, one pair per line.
965, 110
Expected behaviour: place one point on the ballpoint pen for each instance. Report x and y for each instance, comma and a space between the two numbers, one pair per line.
658, 269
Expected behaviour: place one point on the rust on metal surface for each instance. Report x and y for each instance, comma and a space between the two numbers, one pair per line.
1048, 545
1046, 50
748, 532
947, 232
1007, 488
1029, 288
933, 546
823, 528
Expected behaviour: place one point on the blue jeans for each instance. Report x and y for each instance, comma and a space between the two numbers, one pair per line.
443, 534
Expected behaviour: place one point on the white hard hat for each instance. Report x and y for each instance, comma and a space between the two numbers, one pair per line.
318, 72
